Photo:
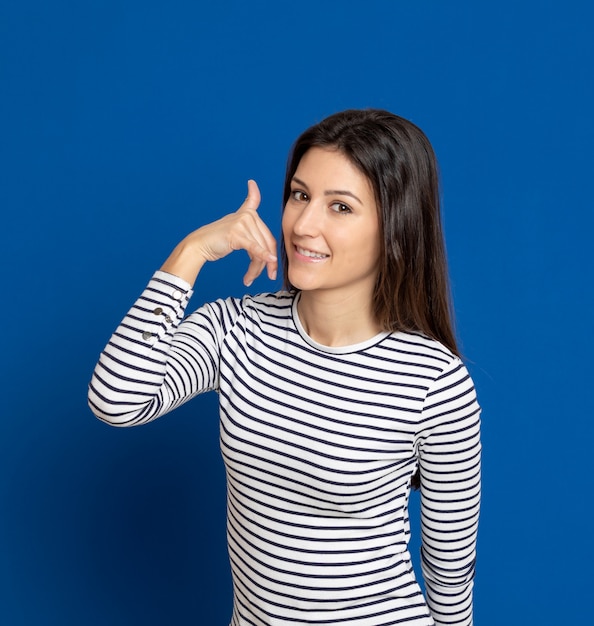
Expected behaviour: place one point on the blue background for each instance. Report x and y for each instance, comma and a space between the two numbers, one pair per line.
126, 124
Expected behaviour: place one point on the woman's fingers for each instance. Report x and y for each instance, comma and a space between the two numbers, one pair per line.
257, 240
260, 258
252, 201
252, 235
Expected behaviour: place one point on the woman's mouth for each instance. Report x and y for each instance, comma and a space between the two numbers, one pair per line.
311, 254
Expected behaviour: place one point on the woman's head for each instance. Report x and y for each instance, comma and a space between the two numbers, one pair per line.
411, 290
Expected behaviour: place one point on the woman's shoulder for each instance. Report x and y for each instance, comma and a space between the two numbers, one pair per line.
421, 349
271, 298
279, 301
275, 304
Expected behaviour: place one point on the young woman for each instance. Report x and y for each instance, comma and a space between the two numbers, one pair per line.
335, 395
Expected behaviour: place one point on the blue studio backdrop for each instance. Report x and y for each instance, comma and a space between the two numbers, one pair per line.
124, 125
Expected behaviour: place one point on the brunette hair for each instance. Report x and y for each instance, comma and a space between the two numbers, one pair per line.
412, 289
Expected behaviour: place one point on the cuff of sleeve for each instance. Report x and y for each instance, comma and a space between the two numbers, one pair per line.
162, 306
175, 281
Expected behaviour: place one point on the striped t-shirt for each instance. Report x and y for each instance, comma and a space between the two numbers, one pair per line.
319, 446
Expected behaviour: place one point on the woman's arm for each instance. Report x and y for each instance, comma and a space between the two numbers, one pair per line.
242, 230
449, 462
154, 361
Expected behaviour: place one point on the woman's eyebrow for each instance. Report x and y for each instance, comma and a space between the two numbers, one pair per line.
329, 192
341, 192
299, 181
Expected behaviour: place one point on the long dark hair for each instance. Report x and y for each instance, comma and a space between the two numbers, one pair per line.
412, 288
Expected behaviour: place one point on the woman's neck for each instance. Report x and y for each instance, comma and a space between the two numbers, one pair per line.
336, 322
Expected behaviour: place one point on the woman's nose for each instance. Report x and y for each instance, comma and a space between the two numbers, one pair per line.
308, 221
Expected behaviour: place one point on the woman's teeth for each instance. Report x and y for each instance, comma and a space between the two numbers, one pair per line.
309, 253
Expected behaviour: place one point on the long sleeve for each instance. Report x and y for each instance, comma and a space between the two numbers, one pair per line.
155, 360
449, 460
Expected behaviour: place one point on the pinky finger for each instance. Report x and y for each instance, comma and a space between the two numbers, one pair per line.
254, 270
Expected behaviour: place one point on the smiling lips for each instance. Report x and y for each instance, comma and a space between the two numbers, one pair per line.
310, 253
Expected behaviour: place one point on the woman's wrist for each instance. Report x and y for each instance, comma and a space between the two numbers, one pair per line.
185, 262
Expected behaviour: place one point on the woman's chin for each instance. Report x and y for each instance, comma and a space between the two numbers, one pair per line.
300, 282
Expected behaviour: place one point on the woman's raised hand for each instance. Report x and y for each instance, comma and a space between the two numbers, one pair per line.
242, 230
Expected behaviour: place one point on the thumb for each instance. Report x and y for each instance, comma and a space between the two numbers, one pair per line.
252, 202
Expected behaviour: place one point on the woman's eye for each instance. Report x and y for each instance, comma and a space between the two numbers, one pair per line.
299, 196
339, 207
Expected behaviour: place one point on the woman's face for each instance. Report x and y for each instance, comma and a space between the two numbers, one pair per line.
331, 227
